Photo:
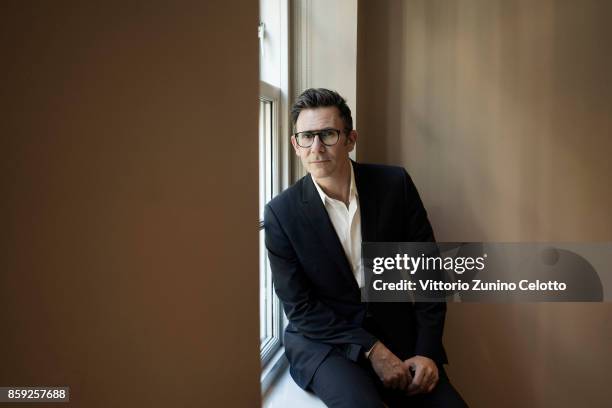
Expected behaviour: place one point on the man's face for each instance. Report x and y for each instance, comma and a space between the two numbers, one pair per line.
320, 160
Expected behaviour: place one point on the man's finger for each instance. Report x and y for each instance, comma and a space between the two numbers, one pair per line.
393, 382
434, 382
403, 382
413, 389
416, 386
418, 377
428, 382
396, 382
431, 386
408, 383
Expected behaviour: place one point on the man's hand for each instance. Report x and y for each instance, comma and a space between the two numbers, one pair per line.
425, 376
390, 369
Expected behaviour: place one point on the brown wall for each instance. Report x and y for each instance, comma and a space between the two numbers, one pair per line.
123, 204
500, 110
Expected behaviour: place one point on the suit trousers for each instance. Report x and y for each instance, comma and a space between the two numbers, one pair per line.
343, 383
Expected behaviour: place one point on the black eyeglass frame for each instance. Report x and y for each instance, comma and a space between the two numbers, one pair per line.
317, 133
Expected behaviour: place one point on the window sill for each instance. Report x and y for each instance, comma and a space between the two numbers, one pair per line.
273, 370
281, 391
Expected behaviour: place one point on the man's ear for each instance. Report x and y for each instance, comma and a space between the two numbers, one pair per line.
295, 146
351, 139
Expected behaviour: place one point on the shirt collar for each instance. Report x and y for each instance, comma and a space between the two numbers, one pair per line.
352, 191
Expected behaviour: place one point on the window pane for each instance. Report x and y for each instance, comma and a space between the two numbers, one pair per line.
266, 166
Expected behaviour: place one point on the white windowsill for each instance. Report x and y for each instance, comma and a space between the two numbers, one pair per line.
280, 391
273, 369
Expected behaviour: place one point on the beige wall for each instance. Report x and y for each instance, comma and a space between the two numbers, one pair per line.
123, 204
500, 110
324, 37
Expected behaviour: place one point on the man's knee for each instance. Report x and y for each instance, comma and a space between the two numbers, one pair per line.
361, 399
357, 399
341, 383
445, 395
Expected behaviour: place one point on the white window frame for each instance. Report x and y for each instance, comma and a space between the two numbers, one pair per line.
274, 61
269, 93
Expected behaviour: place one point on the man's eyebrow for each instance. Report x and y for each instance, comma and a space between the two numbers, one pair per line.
317, 130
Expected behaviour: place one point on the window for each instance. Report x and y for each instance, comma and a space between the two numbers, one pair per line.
270, 313
274, 148
274, 167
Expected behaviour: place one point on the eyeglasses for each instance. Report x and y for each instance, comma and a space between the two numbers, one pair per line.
328, 137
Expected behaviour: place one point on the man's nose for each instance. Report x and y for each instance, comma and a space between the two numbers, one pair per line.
317, 146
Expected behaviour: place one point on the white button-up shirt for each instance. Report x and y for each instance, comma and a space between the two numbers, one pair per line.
347, 223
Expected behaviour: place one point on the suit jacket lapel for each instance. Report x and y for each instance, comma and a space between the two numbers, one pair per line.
367, 203
316, 214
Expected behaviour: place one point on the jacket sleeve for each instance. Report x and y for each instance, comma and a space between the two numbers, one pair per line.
311, 317
429, 315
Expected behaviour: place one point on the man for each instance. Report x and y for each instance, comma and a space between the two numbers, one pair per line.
349, 353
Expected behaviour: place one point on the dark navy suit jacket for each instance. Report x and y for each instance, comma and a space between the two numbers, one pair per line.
316, 286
